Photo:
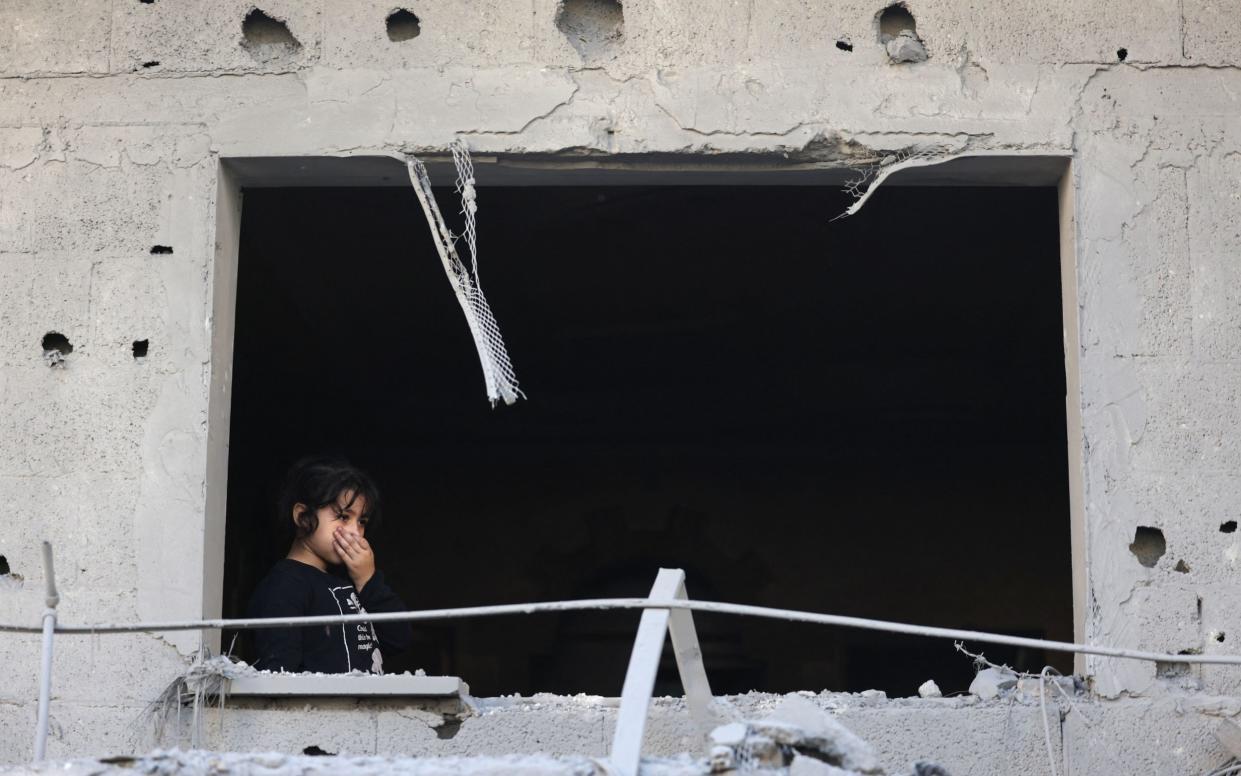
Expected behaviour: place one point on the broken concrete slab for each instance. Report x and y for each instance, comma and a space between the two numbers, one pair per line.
990, 682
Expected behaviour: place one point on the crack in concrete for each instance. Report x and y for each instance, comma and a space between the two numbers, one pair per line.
577, 88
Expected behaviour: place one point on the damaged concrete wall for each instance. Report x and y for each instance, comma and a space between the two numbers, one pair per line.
115, 116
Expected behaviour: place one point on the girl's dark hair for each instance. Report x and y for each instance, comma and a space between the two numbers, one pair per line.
318, 481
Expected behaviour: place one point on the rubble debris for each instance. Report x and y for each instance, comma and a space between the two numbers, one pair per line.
878, 695
801, 737
906, 48
808, 766
721, 759
929, 689
989, 682
1228, 733
732, 734
797, 725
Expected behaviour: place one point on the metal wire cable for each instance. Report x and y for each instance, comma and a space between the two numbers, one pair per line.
712, 607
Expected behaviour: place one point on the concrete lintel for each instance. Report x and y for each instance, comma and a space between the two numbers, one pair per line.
974, 169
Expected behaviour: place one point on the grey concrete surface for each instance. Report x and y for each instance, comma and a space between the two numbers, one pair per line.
102, 158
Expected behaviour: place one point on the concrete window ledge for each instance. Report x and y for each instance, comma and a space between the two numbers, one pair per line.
346, 685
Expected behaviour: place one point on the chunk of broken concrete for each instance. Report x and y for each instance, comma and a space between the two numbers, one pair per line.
906, 48
990, 681
808, 766
732, 734
1229, 735
800, 724
721, 759
929, 689
760, 751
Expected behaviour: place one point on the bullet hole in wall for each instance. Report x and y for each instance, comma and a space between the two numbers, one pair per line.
894, 20
1228, 527
152, 63
147, 2
1121, 54
898, 34
844, 45
4, 565
140, 348
161, 250
592, 26
1182, 566
315, 751
1148, 545
261, 30
55, 347
403, 25
1217, 637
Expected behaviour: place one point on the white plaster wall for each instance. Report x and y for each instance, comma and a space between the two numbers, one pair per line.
101, 158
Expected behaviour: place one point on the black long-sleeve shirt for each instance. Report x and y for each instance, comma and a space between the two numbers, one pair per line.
295, 589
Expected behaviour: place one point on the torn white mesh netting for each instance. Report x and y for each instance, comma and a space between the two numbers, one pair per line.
871, 175
498, 372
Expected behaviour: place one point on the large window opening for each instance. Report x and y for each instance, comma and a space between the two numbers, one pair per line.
864, 417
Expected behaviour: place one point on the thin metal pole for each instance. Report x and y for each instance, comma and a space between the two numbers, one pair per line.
635, 700
45, 667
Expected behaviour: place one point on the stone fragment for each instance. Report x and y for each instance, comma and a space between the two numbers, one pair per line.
760, 751
929, 689
732, 734
799, 723
875, 694
906, 48
721, 759
808, 766
991, 681
1229, 735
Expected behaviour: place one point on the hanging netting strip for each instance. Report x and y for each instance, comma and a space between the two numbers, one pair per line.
497, 369
870, 176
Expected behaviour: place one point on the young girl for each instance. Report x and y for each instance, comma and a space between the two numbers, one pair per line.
326, 507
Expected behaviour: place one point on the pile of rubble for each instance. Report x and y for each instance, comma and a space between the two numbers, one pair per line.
800, 739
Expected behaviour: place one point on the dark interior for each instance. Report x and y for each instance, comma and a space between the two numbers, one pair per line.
863, 417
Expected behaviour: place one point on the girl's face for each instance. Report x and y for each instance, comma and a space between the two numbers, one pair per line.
345, 514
